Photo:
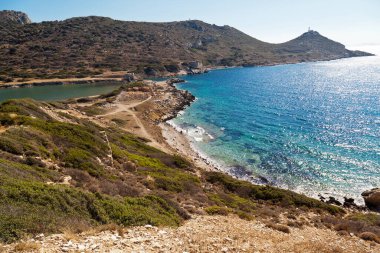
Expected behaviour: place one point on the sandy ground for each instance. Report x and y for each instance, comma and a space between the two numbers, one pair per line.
202, 234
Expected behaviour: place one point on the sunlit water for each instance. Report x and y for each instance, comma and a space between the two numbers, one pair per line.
311, 127
57, 92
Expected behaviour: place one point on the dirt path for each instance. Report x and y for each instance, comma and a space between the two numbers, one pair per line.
120, 107
124, 110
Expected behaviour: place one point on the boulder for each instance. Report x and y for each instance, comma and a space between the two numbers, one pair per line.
349, 203
372, 199
333, 201
150, 71
175, 80
129, 77
172, 68
195, 65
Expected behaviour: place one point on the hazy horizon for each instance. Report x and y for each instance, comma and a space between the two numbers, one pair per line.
349, 22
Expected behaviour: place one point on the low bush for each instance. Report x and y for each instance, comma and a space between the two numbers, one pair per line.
217, 210
279, 227
33, 207
267, 193
368, 236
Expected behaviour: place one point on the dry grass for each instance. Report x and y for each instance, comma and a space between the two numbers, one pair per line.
27, 247
106, 227
319, 247
70, 235
279, 227
368, 236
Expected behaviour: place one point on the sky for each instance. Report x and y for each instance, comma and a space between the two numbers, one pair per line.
355, 23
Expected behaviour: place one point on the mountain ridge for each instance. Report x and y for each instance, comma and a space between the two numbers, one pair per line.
88, 46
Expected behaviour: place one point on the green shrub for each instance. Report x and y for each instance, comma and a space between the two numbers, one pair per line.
28, 207
267, 193
217, 210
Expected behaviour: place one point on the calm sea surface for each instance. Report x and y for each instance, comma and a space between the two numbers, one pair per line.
57, 92
310, 127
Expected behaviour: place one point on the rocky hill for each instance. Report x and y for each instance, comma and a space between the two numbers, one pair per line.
87, 46
14, 17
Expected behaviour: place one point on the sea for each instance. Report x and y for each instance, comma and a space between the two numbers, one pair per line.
313, 128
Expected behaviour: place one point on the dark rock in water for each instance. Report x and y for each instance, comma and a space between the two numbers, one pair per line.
264, 180
240, 171
349, 203
175, 80
321, 198
333, 201
372, 199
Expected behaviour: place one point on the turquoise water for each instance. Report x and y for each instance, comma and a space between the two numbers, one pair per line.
57, 92
310, 127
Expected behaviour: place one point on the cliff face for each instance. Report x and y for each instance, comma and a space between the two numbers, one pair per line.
92, 45
14, 17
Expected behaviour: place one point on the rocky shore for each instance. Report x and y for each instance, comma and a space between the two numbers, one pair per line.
182, 143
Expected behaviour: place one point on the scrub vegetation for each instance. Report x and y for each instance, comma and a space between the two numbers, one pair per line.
58, 171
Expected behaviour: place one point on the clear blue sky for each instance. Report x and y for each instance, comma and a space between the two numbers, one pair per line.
356, 23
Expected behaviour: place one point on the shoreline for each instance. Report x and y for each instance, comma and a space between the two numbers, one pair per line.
180, 142
118, 75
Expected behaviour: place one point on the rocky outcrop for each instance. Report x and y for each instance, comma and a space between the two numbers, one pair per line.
194, 67
175, 80
14, 17
149, 71
372, 199
130, 77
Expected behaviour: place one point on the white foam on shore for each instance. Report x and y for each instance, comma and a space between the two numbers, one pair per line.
193, 136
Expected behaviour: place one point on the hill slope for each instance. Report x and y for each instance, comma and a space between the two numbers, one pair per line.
65, 170
87, 46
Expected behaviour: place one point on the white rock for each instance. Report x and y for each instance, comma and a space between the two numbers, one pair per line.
81, 247
65, 249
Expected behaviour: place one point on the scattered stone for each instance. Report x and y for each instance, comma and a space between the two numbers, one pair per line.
333, 201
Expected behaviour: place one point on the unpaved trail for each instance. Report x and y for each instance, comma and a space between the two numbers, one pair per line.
139, 128
121, 107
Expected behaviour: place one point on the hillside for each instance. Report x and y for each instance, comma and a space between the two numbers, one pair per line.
71, 167
88, 46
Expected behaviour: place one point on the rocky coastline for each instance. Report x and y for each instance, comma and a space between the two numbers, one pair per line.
371, 197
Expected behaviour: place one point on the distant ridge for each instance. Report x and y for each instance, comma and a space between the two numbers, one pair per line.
86, 46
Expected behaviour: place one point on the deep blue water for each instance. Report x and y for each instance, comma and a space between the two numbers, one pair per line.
310, 127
